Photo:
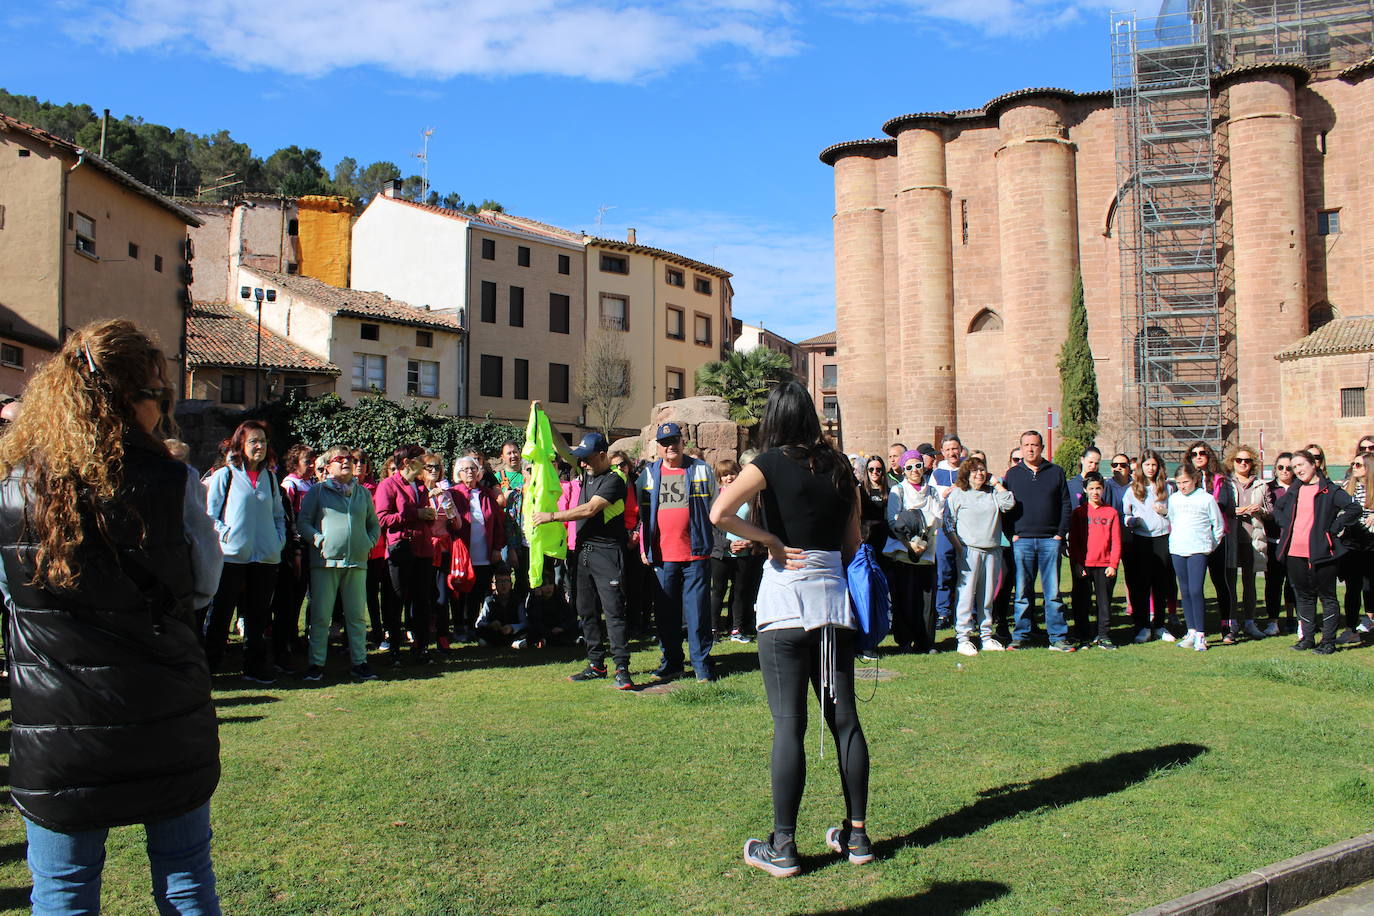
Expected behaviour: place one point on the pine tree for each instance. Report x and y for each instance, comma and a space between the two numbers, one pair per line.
1077, 384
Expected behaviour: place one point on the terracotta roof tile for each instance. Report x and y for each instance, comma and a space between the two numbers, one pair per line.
882, 145
218, 334
109, 168
820, 340
666, 255
1341, 335
356, 303
1358, 69
532, 225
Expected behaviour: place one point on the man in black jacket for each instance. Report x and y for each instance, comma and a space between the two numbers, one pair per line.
1037, 526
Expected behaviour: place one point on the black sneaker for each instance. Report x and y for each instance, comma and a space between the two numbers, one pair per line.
258, 678
1303, 645
395, 658
846, 839
780, 863
622, 679
1103, 642
313, 673
668, 674
1348, 638
363, 672
421, 657
1062, 645
589, 673
1326, 647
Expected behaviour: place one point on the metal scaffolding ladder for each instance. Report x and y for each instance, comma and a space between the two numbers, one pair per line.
1167, 226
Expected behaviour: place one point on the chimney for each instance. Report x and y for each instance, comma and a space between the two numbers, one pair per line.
392, 188
630, 237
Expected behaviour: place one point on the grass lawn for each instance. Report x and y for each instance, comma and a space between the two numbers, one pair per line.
1030, 782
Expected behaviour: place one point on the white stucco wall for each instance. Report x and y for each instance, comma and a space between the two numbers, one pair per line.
410, 254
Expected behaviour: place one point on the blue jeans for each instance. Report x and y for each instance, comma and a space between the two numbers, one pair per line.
946, 577
1032, 556
1190, 571
683, 592
66, 867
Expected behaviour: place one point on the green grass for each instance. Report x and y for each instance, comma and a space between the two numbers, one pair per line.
1014, 783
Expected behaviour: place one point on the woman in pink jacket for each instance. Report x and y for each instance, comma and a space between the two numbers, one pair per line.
404, 511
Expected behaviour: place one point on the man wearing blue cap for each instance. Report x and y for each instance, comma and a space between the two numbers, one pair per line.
601, 537
676, 535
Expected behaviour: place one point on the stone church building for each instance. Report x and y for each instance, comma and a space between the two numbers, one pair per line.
1216, 203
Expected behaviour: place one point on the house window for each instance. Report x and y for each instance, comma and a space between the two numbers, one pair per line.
986, 320
369, 371
293, 227
830, 376
488, 249
489, 302
292, 268
1329, 222
703, 329
1352, 402
370, 331
522, 256
558, 383
24, 153
424, 338
231, 389
492, 370
11, 356
522, 380
831, 407
674, 384
157, 263
615, 313
85, 234
702, 285
559, 309
614, 264
422, 378
133, 251
564, 264
674, 277
677, 323
517, 306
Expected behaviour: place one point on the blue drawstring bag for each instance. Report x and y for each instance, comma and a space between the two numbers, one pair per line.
869, 597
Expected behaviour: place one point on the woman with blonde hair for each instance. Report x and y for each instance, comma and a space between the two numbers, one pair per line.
1150, 578
1240, 465
108, 552
1359, 538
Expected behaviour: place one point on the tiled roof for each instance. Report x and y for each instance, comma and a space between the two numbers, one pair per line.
1291, 65
672, 256
820, 340
218, 334
1340, 335
8, 123
355, 303
526, 224
871, 144
1358, 69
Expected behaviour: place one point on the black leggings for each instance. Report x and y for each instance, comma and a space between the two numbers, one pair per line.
790, 658
1353, 569
1150, 577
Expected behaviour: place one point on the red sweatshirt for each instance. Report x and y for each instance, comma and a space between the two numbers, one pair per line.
1095, 536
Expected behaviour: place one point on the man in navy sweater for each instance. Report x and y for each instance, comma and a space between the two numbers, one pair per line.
1037, 526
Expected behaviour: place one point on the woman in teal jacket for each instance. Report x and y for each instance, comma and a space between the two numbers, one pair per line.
339, 523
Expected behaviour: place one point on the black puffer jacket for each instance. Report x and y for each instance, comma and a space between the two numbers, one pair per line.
112, 718
1332, 511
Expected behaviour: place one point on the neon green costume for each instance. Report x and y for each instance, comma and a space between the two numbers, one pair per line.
542, 492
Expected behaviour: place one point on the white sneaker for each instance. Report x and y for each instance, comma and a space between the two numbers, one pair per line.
520, 644
1187, 641
1252, 630
967, 648
1200, 642
1364, 626
992, 645
1143, 635
1272, 629
1164, 635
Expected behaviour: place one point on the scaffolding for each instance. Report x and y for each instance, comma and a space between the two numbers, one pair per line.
1176, 344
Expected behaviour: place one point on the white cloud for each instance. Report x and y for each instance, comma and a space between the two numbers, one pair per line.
783, 274
600, 40
992, 17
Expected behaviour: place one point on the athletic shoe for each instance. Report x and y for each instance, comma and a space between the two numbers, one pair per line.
1143, 635
1302, 645
1366, 624
780, 863
990, 644
421, 657
1103, 642
395, 659
384, 646
944, 623
622, 679
1228, 639
1015, 644
589, 673
668, 674
1200, 645
737, 636
1326, 647
256, 678
1164, 635
313, 673
1188, 641
1348, 638
1253, 631
967, 648
866, 655
847, 839
1062, 645
1273, 628
362, 672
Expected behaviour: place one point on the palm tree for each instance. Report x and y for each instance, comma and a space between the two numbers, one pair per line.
744, 380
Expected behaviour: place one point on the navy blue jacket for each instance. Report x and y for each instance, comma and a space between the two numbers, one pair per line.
1042, 502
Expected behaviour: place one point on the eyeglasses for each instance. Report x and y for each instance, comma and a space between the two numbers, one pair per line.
1198, 451
672, 442
434, 467
1240, 460
1283, 467
1366, 446
340, 459
873, 470
1121, 464
913, 467
1318, 457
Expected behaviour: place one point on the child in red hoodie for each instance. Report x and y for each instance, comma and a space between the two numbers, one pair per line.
1094, 554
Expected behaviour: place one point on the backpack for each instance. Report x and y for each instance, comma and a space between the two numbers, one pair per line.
868, 595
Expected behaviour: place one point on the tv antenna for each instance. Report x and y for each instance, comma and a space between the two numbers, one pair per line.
423, 156
601, 214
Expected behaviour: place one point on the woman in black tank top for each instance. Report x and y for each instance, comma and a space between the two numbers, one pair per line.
810, 525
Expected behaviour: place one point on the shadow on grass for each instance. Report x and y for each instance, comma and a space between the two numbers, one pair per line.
15, 898
735, 663
234, 720
946, 898
13, 852
222, 702
1078, 783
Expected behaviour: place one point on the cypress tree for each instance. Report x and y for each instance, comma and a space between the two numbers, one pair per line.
1077, 384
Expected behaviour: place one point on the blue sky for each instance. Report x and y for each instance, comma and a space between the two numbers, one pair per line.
697, 122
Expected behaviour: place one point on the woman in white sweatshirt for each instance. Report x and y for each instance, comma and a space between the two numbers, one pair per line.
973, 524
1196, 528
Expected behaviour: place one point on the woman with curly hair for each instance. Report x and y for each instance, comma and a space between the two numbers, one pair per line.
107, 553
